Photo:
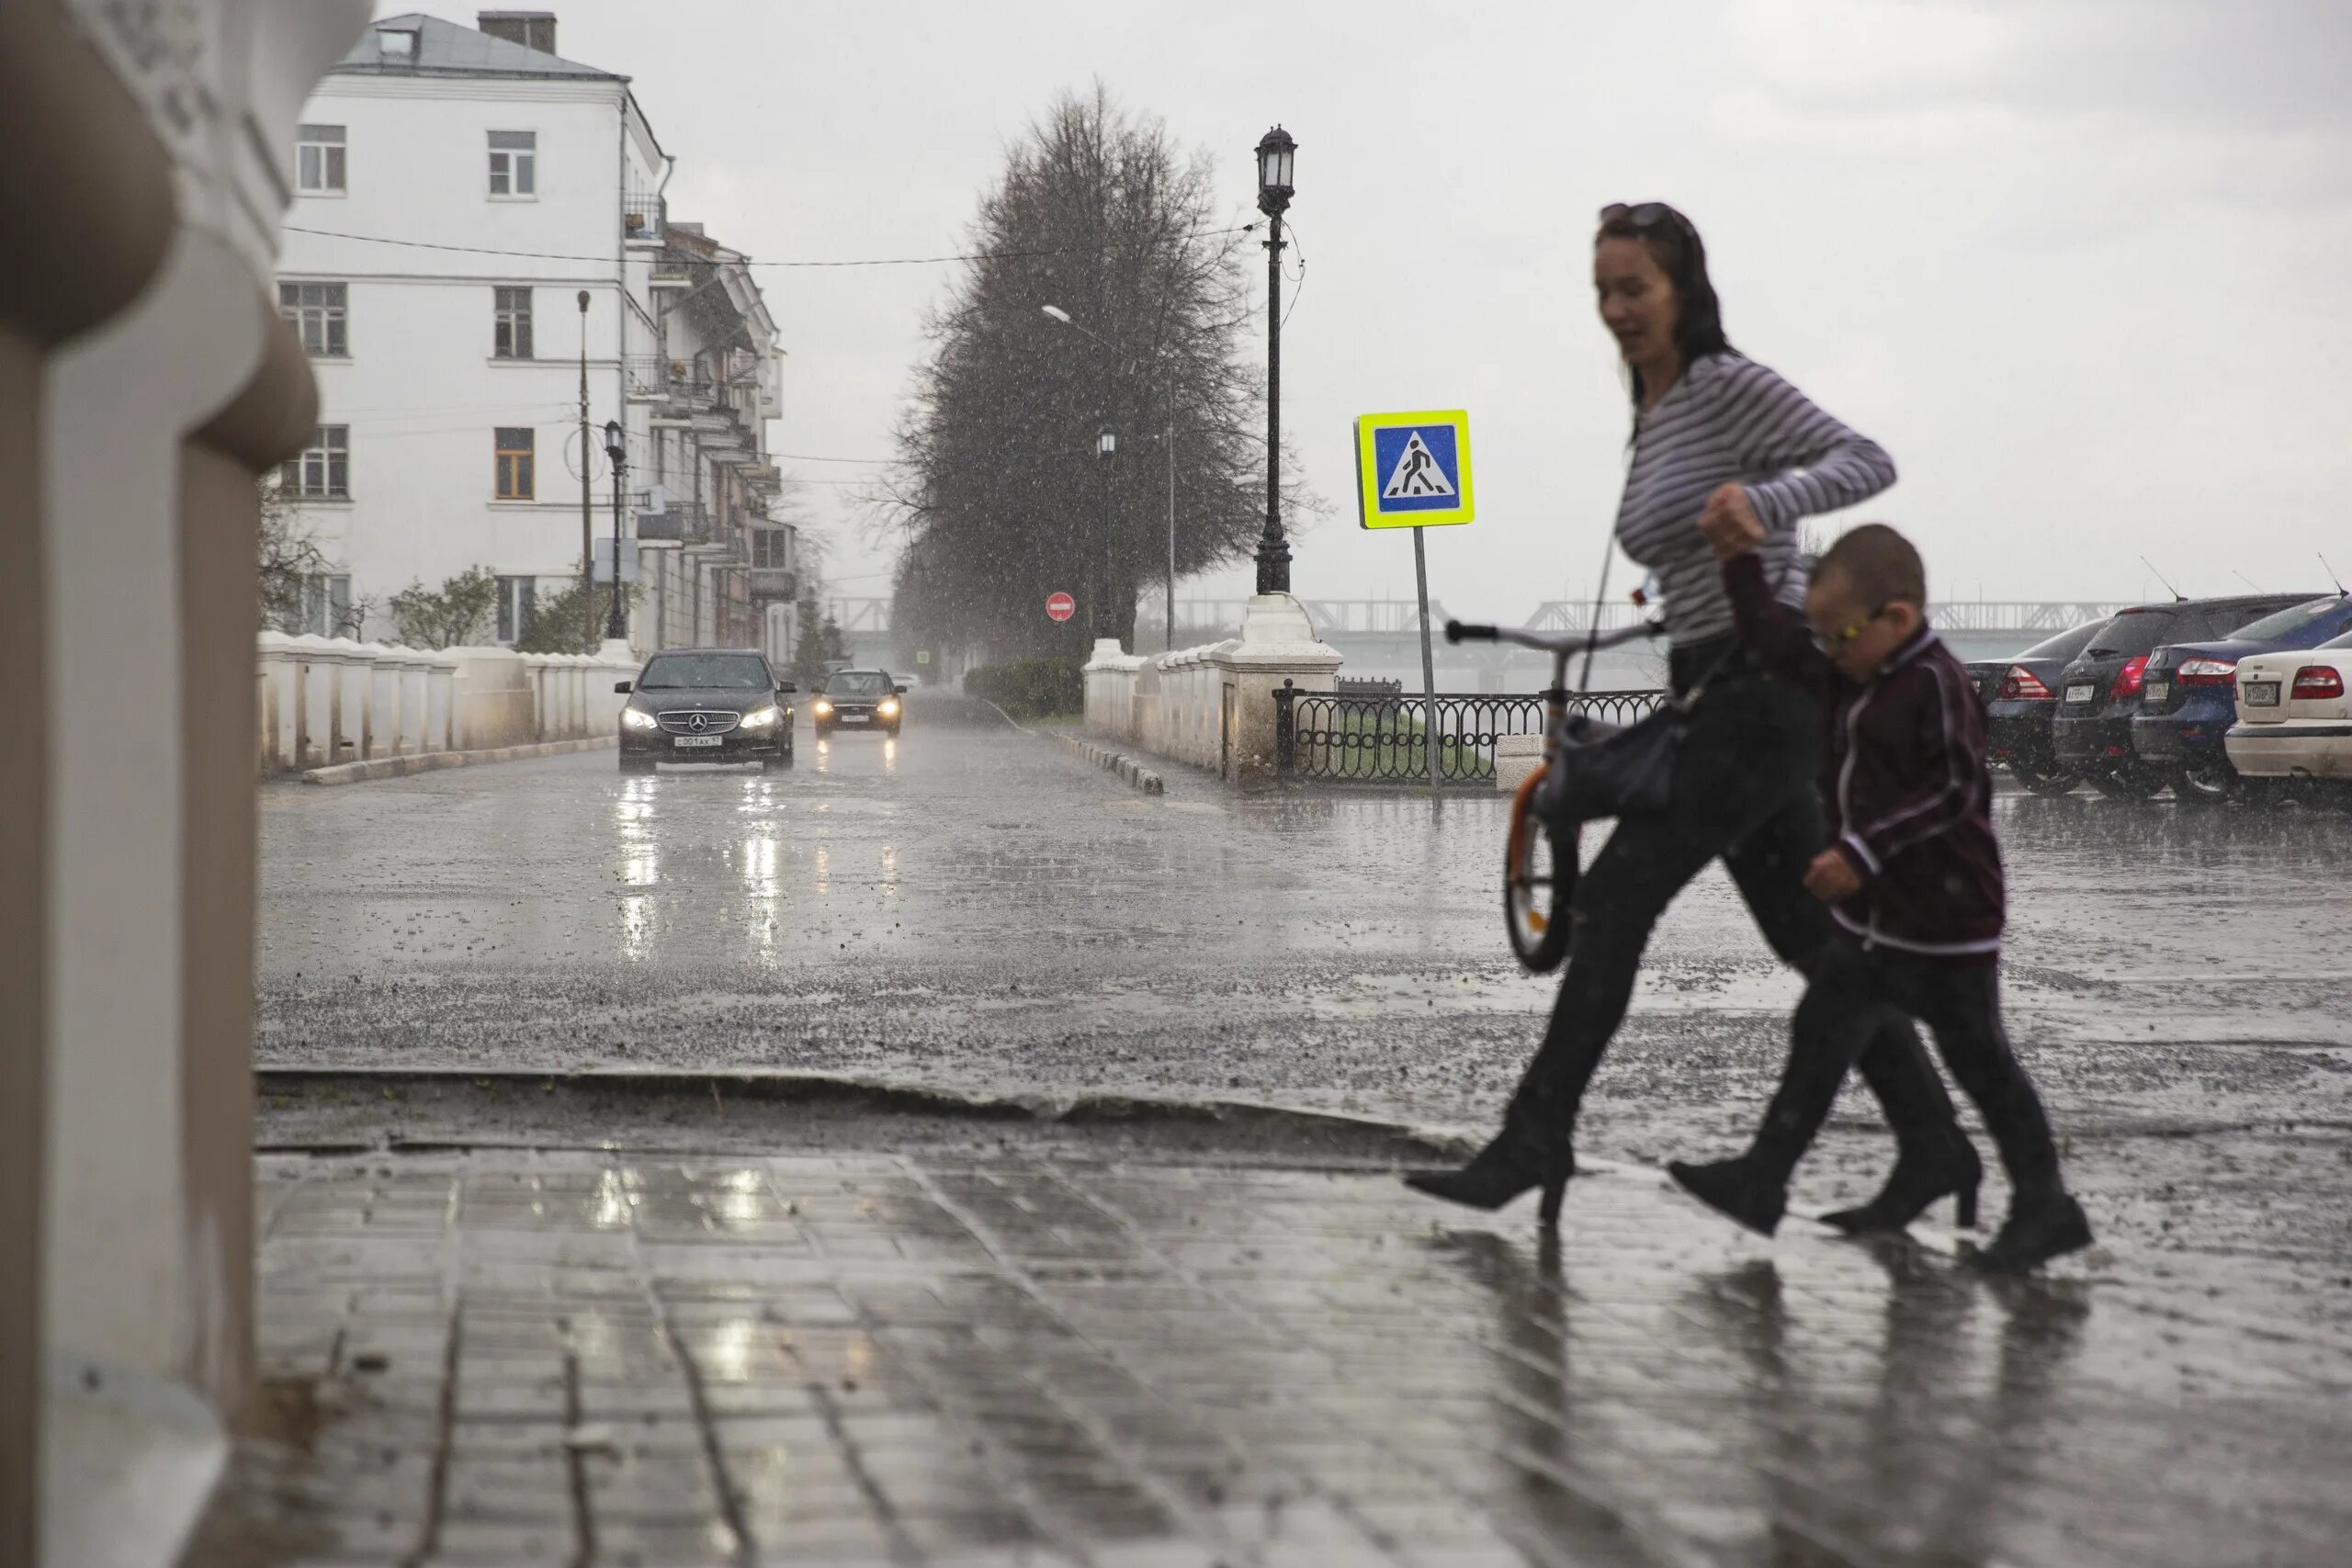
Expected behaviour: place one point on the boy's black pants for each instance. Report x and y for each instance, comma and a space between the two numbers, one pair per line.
1852, 997
1744, 793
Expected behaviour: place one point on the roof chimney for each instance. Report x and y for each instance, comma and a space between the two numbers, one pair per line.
532, 29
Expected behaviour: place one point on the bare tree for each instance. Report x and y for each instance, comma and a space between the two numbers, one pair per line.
999, 497
288, 558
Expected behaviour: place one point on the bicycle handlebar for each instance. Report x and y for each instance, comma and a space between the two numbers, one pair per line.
1564, 642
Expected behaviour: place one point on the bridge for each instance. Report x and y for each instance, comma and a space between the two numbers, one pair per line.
1386, 634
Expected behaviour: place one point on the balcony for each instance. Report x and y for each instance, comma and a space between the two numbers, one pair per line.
772, 582
652, 378
644, 218
683, 524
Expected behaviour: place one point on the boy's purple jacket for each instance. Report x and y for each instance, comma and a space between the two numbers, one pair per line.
1903, 771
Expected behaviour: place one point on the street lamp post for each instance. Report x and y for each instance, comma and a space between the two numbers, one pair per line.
1106, 448
587, 480
1276, 153
1169, 440
615, 625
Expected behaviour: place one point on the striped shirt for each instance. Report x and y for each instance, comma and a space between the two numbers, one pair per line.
1729, 420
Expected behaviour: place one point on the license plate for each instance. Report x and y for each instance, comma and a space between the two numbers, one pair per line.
693, 741
2262, 693
2081, 693
852, 719
2159, 690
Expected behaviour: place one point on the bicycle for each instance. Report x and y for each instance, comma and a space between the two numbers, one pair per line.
1539, 876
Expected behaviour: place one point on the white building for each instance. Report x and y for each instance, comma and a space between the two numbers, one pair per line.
479, 229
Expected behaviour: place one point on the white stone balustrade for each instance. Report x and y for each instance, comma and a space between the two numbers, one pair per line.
1212, 706
326, 700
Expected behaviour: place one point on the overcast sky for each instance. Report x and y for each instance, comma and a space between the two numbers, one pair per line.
2080, 265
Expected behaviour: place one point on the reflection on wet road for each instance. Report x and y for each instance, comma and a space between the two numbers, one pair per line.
971, 906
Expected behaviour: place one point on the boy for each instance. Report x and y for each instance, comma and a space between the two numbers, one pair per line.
1912, 879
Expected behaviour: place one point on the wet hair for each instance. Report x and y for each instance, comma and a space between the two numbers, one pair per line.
1880, 565
1674, 243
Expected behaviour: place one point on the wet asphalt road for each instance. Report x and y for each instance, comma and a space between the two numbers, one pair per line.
975, 907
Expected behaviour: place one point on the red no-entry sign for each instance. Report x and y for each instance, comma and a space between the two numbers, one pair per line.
1061, 606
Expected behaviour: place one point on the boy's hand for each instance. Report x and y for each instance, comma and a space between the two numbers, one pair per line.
1831, 877
1730, 523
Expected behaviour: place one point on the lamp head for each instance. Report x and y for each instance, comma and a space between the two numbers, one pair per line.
1277, 155
612, 448
1057, 313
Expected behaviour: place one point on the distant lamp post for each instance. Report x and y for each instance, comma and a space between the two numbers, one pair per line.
1169, 440
1106, 448
1276, 155
615, 624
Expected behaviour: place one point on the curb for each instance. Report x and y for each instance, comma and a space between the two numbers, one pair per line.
433, 761
1126, 767
789, 1085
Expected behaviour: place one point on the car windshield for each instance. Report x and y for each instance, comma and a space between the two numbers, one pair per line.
2133, 633
720, 671
2065, 645
858, 683
2288, 622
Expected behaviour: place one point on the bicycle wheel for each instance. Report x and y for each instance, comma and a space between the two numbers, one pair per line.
1539, 878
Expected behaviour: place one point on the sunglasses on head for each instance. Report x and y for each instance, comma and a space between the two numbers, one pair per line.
1644, 215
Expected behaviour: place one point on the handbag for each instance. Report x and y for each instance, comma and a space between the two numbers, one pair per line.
1615, 770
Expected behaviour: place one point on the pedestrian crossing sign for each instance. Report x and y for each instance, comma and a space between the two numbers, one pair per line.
1413, 469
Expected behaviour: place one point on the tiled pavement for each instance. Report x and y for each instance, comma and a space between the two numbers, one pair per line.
575, 1359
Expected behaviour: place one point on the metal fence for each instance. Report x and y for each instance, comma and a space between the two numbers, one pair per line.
1348, 738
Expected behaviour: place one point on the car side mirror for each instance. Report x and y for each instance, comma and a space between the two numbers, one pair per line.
621, 687
900, 690
786, 688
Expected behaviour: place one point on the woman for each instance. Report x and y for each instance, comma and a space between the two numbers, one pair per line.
1712, 430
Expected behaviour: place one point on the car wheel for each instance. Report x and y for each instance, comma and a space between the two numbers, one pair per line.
2130, 783
2208, 784
2043, 782
893, 732
637, 765
823, 732
776, 764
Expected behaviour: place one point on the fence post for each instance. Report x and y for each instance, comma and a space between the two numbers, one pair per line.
1285, 740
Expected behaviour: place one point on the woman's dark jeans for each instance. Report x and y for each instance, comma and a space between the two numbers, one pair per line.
1743, 790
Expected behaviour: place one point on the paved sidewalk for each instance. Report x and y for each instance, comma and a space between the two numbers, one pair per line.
507, 1358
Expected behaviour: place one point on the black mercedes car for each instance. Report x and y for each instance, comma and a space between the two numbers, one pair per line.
2099, 693
2020, 693
859, 699
705, 705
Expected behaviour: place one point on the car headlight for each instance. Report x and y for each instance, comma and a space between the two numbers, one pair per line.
637, 720
822, 707
889, 706
762, 718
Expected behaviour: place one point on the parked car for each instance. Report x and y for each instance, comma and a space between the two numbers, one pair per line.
2189, 696
2020, 695
862, 699
2100, 692
705, 705
2294, 717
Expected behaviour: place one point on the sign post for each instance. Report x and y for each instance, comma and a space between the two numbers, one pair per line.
1413, 471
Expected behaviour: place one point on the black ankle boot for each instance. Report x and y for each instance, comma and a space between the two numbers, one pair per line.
2038, 1229
1923, 1172
1501, 1171
1744, 1190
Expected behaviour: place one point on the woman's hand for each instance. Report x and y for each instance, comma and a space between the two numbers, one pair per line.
1831, 878
1730, 524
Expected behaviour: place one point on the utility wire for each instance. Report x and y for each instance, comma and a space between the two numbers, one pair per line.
870, 261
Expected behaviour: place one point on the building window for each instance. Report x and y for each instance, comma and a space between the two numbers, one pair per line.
772, 548
514, 162
515, 448
516, 598
315, 312
324, 607
317, 158
396, 43
323, 469
511, 337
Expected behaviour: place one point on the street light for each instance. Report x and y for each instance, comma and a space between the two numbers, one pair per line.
1169, 440
1276, 154
615, 628
1106, 448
